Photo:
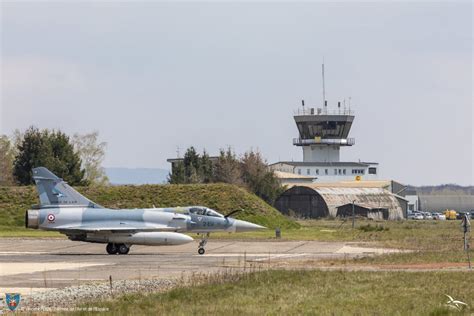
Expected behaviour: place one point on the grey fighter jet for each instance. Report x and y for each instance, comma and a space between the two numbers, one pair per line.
65, 210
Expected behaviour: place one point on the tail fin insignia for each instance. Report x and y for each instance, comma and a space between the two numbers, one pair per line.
53, 191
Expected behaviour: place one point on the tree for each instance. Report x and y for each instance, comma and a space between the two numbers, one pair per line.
177, 173
52, 150
6, 161
227, 168
206, 168
92, 154
191, 166
258, 178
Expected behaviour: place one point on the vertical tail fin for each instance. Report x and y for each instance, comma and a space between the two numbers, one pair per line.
53, 191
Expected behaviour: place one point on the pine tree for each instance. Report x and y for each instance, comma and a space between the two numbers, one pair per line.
52, 150
206, 168
177, 173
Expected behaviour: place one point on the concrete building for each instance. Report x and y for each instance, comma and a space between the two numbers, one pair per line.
440, 203
315, 201
322, 133
329, 171
288, 178
413, 201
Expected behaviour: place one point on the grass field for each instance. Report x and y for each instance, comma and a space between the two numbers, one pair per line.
426, 241
279, 292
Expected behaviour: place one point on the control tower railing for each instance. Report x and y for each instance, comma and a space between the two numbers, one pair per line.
323, 141
319, 111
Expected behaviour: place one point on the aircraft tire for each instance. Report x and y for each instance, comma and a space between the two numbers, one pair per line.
123, 249
201, 251
112, 249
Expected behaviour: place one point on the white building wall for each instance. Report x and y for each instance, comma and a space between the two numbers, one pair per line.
412, 203
321, 154
333, 174
330, 174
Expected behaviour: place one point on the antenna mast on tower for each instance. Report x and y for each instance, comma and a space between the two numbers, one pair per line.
324, 91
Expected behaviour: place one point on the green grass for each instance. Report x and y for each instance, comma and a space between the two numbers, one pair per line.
9, 231
312, 292
424, 235
427, 241
14, 201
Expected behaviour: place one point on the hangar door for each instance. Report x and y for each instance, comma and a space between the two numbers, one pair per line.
302, 202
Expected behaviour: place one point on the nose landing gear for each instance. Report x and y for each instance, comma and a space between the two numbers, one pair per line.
113, 249
203, 243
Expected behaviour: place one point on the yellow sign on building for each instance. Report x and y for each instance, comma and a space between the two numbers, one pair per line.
317, 139
358, 178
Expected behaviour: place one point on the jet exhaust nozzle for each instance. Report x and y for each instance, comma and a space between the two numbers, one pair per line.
32, 219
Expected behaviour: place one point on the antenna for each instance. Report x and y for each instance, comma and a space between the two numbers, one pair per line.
324, 90
302, 103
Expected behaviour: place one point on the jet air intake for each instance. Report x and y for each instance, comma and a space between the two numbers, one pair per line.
32, 219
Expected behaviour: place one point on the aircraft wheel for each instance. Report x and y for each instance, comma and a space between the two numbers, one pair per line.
112, 249
201, 251
123, 249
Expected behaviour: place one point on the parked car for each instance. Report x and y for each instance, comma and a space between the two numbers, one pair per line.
438, 216
460, 215
419, 216
427, 215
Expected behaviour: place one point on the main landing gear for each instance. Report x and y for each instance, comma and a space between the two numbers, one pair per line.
203, 243
113, 249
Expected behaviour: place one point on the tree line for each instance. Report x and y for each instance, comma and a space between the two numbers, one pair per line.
250, 171
77, 159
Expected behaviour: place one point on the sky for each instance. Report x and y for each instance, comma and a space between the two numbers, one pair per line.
153, 77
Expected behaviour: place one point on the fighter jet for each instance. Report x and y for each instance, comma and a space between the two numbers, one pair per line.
65, 210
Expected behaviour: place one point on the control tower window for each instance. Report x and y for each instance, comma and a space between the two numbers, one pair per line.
372, 170
344, 171
317, 171
326, 171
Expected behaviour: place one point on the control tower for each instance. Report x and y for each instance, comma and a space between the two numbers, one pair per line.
323, 132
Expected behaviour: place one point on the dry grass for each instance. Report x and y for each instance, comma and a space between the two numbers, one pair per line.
279, 292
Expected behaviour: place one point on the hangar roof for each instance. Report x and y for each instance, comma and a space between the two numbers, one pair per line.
371, 197
288, 175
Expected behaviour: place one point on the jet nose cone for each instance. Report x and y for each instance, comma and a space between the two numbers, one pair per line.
243, 226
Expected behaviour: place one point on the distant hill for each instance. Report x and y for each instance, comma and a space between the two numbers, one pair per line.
14, 201
444, 189
137, 176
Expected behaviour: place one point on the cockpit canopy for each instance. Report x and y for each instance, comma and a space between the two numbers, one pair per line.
200, 210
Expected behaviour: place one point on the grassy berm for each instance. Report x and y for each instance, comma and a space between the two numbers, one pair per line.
14, 201
278, 292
